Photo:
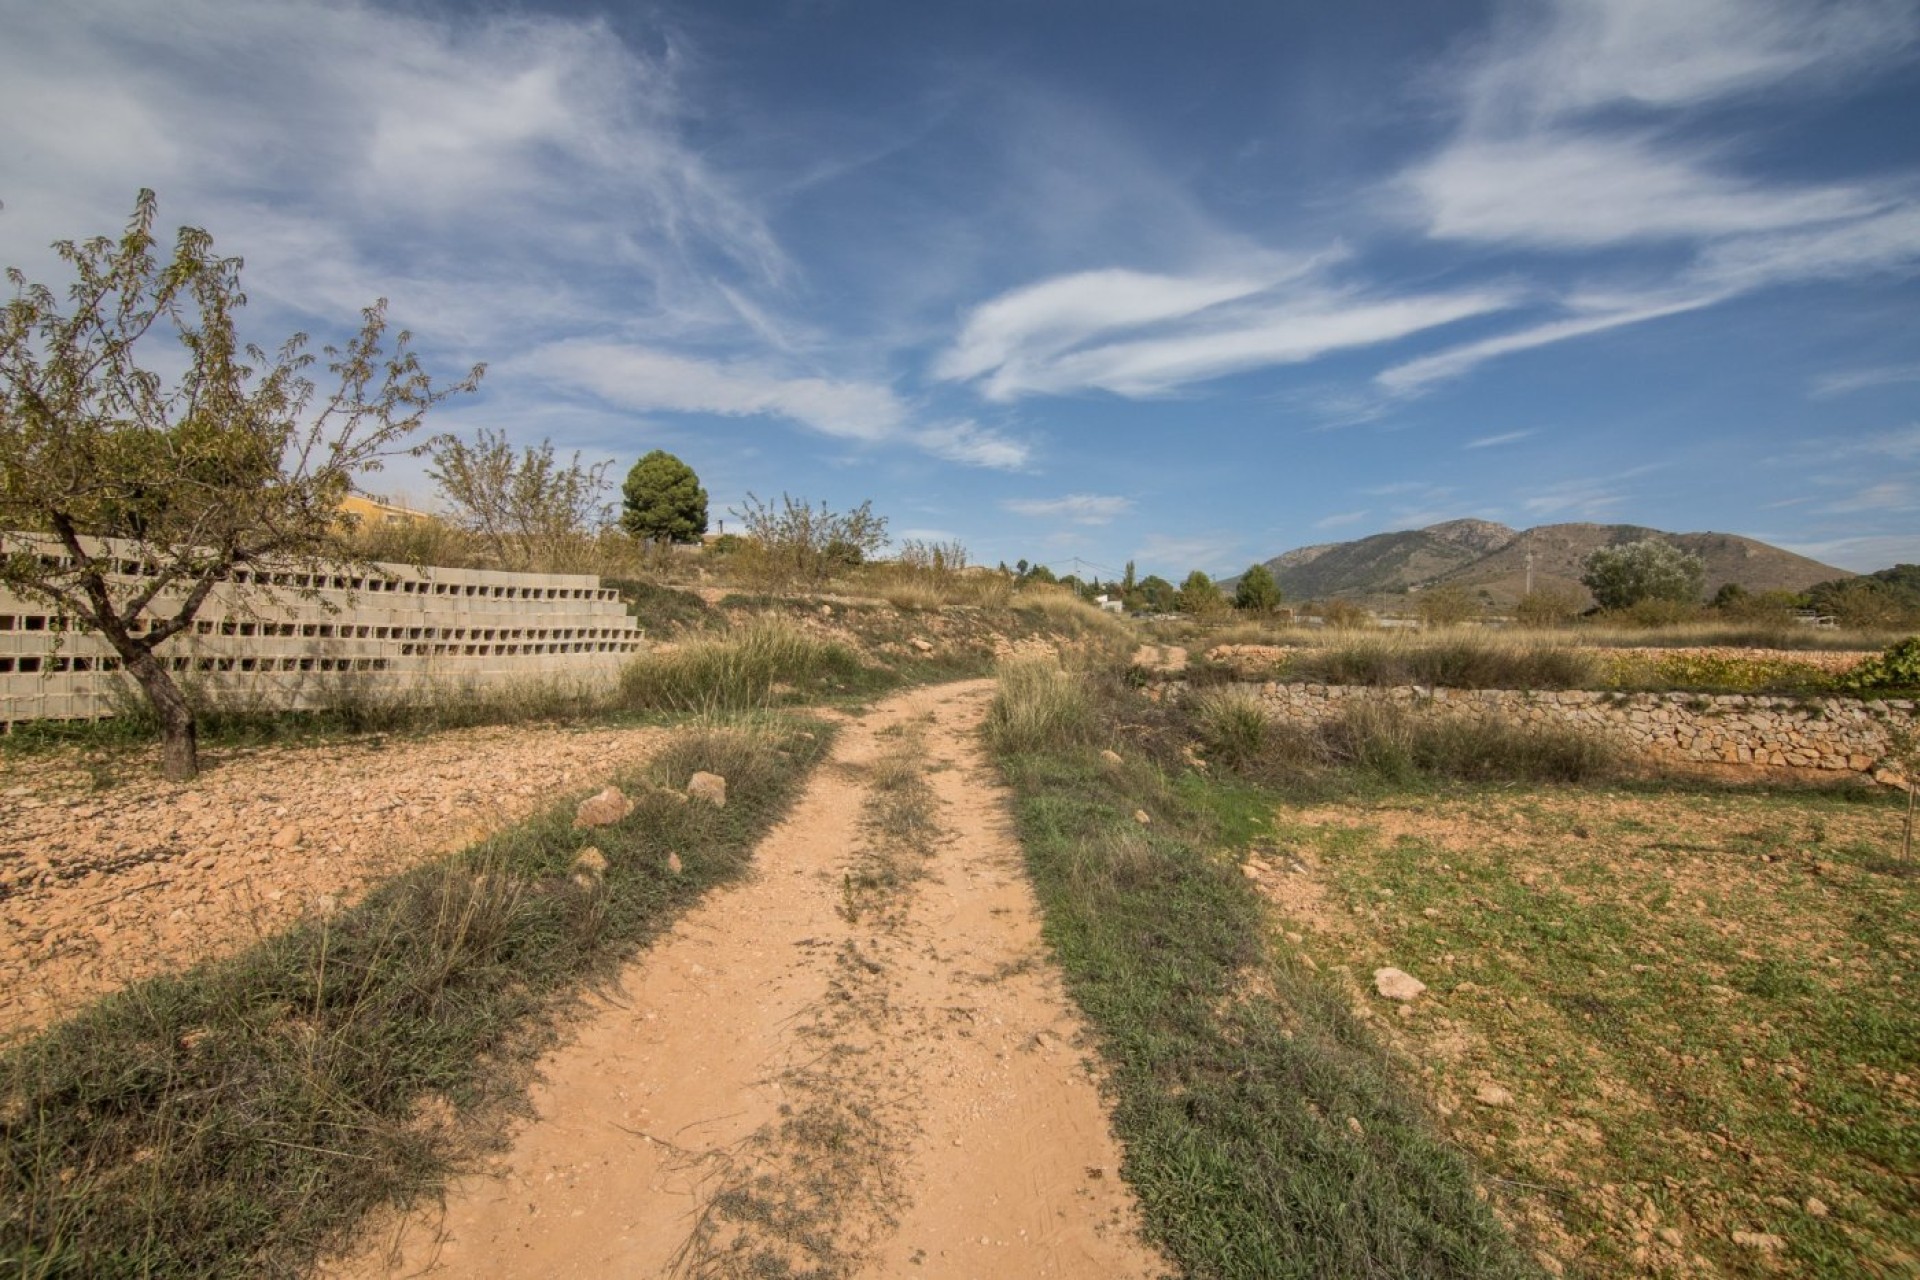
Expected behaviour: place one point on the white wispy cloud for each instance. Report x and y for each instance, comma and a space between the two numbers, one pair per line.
1581, 499
1034, 324
641, 378
1173, 556
1080, 508
1505, 437
975, 446
1846, 381
1342, 520
1862, 553
1417, 375
1578, 56
1565, 190
448, 163
1564, 145
1884, 495
1587, 497
1136, 335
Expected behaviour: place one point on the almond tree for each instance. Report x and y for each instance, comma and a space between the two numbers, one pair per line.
232, 461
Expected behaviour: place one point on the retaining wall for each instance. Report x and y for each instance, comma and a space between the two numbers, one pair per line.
1740, 729
298, 639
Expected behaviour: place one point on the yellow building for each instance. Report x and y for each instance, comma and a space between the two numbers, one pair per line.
369, 510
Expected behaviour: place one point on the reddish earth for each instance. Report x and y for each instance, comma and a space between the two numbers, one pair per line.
106, 878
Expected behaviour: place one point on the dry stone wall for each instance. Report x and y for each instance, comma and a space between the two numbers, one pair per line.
1832, 734
299, 638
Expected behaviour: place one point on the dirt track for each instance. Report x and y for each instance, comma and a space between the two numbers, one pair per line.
801, 1079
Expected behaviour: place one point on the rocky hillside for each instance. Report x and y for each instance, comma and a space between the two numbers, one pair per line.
1487, 558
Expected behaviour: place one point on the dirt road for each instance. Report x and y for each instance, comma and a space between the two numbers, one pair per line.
859, 1063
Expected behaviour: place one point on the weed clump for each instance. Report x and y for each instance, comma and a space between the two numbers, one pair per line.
742, 670
1450, 662
1040, 707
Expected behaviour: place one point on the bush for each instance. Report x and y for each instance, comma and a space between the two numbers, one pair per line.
1445, 607
1897, 668
1232, 726
1345, 615
1548, 607
796, 543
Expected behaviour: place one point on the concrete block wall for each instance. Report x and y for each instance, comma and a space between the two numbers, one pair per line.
1832, 734
296, 639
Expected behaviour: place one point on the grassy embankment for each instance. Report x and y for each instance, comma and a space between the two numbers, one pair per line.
1680, 986
1267, 1134
239, 1119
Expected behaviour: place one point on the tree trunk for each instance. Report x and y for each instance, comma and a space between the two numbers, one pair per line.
179, 736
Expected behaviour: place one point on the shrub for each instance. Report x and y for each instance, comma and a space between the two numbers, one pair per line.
1446, 607
1345, 615
1897, 668
1040, 707
1232, 725
796, 543
1548, 607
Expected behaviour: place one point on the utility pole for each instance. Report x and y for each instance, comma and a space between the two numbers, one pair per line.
1529, 570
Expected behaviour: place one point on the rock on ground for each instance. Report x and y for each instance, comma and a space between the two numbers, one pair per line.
710, 787
1397, 985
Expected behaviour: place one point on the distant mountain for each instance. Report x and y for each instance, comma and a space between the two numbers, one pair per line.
1491, 560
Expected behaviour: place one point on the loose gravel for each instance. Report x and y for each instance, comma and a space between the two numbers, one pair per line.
108, 879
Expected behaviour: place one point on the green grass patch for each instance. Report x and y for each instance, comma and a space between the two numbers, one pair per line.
1266, 1132
1700, 999
238, 1119
662, 610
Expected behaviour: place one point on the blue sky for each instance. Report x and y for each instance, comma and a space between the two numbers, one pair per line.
1183, 284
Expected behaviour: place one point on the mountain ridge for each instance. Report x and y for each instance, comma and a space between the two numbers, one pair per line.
1491, 561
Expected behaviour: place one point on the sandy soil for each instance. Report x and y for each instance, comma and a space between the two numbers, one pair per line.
102, 885
785, 1081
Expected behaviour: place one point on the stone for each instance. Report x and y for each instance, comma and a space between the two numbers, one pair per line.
1492, 1095
674, 865
1817, 1207
1397, 985
602, 810
923, 646
710, 787
1142, 817
286, 837
591, 861
1110, 757
1250, 871
1764, 1241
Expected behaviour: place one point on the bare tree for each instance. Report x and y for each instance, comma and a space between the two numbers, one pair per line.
528, 509
130, 496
